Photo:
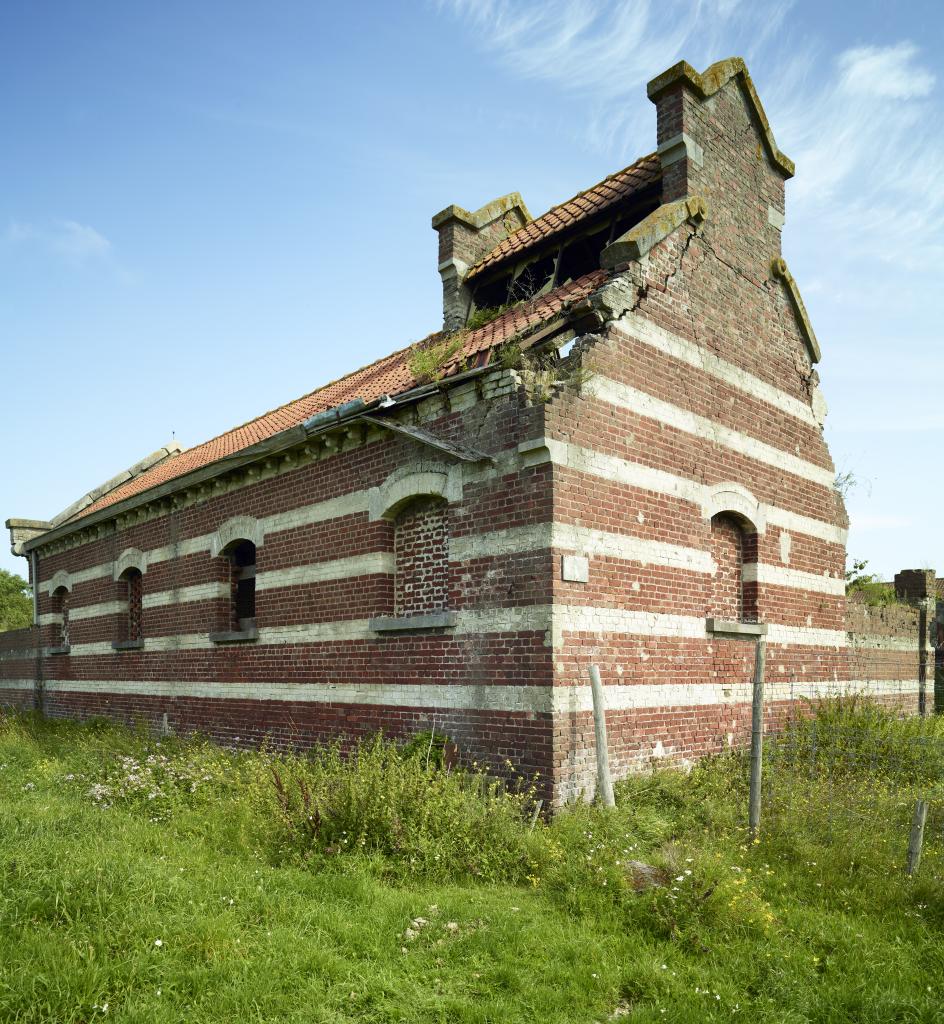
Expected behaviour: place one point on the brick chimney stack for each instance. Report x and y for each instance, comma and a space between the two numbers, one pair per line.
715, 142
464, 238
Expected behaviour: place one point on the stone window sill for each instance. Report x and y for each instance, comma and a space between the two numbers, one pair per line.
128, 645
723, 627
62, 649
235, 636
412, 623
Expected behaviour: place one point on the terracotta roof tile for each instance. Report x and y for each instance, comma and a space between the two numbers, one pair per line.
389, 375
591, 201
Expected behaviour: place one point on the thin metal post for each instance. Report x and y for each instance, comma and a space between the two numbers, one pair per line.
757, 735
604, 782
917, 835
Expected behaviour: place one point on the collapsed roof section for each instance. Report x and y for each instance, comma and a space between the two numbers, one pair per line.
609, 201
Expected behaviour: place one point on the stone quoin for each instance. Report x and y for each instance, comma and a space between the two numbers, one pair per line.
624, 466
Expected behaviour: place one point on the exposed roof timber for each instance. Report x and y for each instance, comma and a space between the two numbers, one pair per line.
614, 189
709, 82
513, 264
779, 270
459, 451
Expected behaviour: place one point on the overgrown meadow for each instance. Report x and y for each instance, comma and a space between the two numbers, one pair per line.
145, 880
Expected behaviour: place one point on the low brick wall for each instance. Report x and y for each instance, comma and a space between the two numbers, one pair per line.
889, 645
18, 668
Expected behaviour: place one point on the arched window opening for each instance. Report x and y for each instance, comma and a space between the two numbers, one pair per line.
134, 594
60, 604
242, 560
421, 551
733, 545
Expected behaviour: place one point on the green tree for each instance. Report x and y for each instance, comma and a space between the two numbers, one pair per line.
16, 604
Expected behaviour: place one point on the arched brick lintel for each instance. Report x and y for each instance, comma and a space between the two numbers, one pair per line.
61, 580
400, 488
737, 500
238, 528
130, 558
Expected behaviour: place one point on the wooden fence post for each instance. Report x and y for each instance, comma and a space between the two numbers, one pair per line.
757, 736
917, 835
604, 782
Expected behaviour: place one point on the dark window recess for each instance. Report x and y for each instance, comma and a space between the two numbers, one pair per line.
61, 606
243, 585
135, 584
534, 279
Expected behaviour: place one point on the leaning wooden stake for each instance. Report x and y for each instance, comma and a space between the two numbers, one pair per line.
536, 814
604, 782
757, 736
917, 835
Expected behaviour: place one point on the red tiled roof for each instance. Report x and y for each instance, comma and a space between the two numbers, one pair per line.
390, 375
593, 201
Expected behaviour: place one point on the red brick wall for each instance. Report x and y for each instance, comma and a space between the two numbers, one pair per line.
177, 656
710, 289
18, 668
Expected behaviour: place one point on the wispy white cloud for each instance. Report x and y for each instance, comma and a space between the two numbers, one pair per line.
887, 72
606, 50
76, 243
79, 242
852, 121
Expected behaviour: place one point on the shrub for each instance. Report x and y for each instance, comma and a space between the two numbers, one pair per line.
853, 735
398, 808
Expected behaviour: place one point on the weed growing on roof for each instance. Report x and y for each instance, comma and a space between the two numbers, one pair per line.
509, 356
485, 315
428, 361
543, 373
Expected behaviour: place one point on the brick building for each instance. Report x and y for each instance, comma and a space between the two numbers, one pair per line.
625, 466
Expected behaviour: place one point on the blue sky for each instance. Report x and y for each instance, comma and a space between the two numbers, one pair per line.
207, 209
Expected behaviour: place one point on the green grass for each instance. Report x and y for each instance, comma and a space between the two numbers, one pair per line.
198, 895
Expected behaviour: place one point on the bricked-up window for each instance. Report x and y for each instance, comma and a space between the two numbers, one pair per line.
733, 545
421, 547
242, 560
134, 592
60, 604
